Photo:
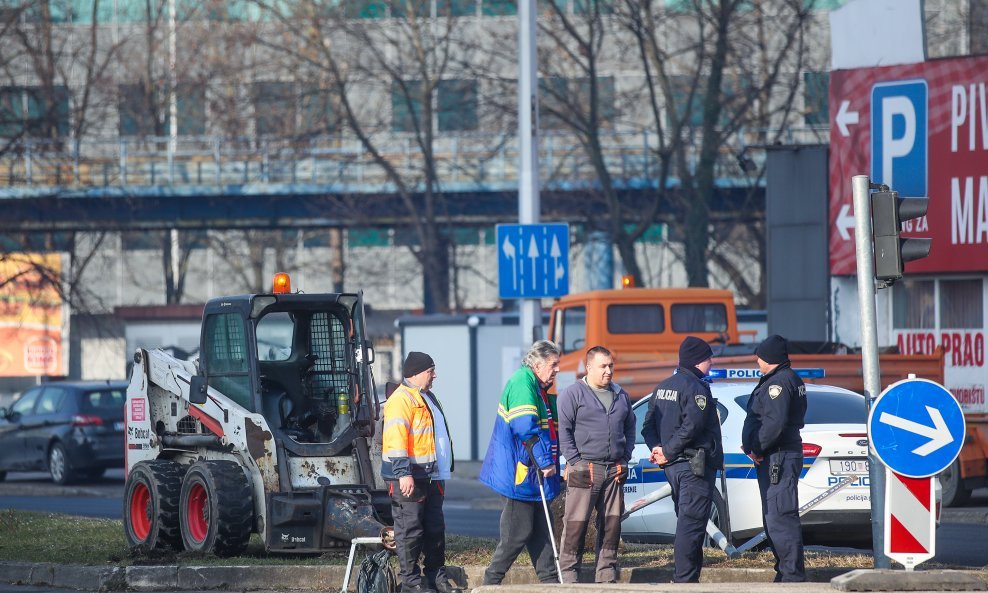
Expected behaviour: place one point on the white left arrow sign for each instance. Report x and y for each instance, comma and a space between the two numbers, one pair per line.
845, 221
938, 434
845, 118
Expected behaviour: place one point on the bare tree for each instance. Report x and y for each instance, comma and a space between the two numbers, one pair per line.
393, 84
703, 72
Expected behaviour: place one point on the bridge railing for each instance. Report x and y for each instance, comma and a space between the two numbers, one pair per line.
469, 162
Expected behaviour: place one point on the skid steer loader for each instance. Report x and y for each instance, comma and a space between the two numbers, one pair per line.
269, 431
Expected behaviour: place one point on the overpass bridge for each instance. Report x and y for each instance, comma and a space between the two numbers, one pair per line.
197, 183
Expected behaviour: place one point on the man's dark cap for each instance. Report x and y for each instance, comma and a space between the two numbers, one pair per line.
693, 351
774, 350
415, 363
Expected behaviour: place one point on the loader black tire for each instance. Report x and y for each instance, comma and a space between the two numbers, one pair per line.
216, 508
151, 497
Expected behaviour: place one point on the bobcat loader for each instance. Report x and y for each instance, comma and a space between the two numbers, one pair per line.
269, 431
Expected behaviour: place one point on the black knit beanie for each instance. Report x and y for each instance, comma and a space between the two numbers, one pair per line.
693, 351
415, 363
774, 350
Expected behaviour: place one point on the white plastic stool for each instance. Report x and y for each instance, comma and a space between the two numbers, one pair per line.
357, 541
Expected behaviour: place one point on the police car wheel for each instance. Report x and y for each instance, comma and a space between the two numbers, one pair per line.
954, 492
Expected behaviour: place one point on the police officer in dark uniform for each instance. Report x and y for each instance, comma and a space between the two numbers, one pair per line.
683, 431
771, 439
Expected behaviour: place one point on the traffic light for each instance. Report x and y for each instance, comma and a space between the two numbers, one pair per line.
888, 212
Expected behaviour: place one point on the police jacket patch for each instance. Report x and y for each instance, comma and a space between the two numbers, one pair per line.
774, 391
701, 401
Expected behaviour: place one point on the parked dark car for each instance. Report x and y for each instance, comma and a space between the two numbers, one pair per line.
73, 430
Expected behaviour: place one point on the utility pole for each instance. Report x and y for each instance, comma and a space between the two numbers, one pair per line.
529, 205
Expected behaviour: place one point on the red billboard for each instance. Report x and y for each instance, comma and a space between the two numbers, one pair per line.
922, 129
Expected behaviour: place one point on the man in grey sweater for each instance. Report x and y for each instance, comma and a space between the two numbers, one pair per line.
596, 436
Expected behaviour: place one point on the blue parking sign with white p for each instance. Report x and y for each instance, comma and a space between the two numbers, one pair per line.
532, 260
899, 132
916, 427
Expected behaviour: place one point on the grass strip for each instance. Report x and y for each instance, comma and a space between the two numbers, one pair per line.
27, 536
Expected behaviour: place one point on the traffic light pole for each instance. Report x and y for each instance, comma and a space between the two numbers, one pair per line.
861, 189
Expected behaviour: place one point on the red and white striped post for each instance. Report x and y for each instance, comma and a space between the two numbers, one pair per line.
910, 519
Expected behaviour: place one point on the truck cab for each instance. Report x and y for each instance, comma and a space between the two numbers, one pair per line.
639, 324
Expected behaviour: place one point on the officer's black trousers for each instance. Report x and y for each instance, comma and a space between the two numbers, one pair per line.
420, 529
780, 514
692, 496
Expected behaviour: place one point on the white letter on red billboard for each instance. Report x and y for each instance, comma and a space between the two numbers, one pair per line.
958, 113
961, 227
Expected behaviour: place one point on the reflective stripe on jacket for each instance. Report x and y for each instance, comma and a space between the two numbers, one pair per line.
408, 437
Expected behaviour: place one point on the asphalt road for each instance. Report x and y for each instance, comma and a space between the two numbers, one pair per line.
962, 539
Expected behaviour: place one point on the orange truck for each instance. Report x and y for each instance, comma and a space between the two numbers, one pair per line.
643, 327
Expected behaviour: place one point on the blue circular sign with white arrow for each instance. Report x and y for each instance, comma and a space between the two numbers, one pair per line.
916, 427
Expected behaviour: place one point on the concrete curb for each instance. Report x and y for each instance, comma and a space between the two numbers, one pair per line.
521, 579
900, 580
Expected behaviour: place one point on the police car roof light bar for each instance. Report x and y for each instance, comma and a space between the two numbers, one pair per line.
804, 373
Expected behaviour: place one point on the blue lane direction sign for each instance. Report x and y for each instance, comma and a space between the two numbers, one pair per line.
916, 428
532, 260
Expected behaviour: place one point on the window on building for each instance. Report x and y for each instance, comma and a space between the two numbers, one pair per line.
274, 108
499, 7
635, 319
593, 6
565, 99
816, 104
406, 105
83, 12
405, 8
368, 237
366, 9
457, 105
699, 317
317, 111
190, 99
456, 7
140, 111
686, 102
34, 111
961, 304
914, 304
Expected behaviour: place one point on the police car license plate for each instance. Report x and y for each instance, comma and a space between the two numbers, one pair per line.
842, 467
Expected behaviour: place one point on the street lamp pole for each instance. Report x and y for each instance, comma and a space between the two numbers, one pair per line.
529, 205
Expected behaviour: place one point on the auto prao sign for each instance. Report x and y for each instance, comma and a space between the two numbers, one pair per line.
923, 130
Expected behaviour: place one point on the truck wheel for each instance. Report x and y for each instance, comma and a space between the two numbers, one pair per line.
718, 514
217, 508
954, 492
151, 505
58, 464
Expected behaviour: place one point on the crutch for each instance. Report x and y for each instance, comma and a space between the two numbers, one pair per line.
548, 518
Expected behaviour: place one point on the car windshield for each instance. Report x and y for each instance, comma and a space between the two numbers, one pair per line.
828, 407
103, 400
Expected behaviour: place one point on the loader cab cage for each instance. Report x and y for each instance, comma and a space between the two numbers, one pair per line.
295, 358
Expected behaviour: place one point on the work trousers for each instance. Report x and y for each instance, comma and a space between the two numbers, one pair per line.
420, 530
523, 526
590, 486
780, 514
692, 496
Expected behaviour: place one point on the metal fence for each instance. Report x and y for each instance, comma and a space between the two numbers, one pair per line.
467, 163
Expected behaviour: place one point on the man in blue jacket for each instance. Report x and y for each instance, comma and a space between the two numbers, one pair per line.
597, 438
681, 425
524, 449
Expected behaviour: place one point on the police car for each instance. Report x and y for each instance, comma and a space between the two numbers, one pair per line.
835, 448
